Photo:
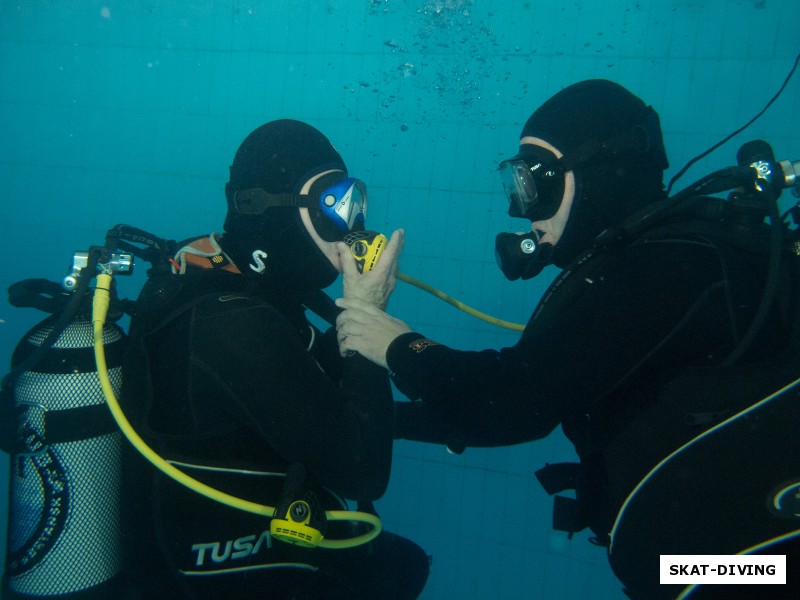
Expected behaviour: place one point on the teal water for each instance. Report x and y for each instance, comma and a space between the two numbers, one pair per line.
130, 112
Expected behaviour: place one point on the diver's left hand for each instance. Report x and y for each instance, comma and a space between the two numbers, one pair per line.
365, 329
377, 285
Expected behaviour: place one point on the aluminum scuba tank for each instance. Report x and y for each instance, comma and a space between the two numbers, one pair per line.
64, 534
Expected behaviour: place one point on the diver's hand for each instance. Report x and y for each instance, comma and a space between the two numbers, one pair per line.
365, 329
376, 285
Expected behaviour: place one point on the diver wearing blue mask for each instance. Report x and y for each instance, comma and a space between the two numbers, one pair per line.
229, 379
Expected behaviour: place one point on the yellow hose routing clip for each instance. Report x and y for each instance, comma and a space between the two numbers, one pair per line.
294, 527
299, 518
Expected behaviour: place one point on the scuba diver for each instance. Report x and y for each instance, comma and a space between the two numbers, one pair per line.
227, 378
240, 432
658, 303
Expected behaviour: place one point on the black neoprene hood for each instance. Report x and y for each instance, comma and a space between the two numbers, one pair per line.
615, 143
596, 109
279, 157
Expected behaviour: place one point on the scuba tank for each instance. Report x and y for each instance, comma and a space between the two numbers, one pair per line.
64, 429
64, 534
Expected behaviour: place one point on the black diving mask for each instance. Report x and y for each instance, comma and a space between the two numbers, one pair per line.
533, 181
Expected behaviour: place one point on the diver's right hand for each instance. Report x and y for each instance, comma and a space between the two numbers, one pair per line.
377, 285
361, 327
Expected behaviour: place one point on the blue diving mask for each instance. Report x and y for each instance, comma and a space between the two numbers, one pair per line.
345, 204
533, 181
337, 204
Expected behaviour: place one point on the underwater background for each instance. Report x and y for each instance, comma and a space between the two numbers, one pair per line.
130, 111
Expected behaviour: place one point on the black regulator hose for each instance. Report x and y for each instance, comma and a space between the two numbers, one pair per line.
19, 295
769, 187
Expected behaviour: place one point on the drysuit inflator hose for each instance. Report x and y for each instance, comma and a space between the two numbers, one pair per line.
289, 529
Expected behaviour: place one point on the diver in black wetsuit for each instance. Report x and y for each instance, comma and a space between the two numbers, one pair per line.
620, 320
227, 379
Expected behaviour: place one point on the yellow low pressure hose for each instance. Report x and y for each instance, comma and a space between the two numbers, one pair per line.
367, 246
100, 305
458, 304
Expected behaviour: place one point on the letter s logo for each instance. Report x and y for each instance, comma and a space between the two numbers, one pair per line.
258, 259
243, 547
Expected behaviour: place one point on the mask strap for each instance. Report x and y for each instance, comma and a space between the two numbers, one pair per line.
255, 201
637, 139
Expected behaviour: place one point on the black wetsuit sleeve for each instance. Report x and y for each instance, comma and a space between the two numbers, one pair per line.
341, 430
652, 308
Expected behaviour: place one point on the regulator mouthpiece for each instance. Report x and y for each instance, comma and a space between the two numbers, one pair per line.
520, 255
366, 248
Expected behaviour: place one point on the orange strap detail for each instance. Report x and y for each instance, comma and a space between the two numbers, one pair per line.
203, 253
